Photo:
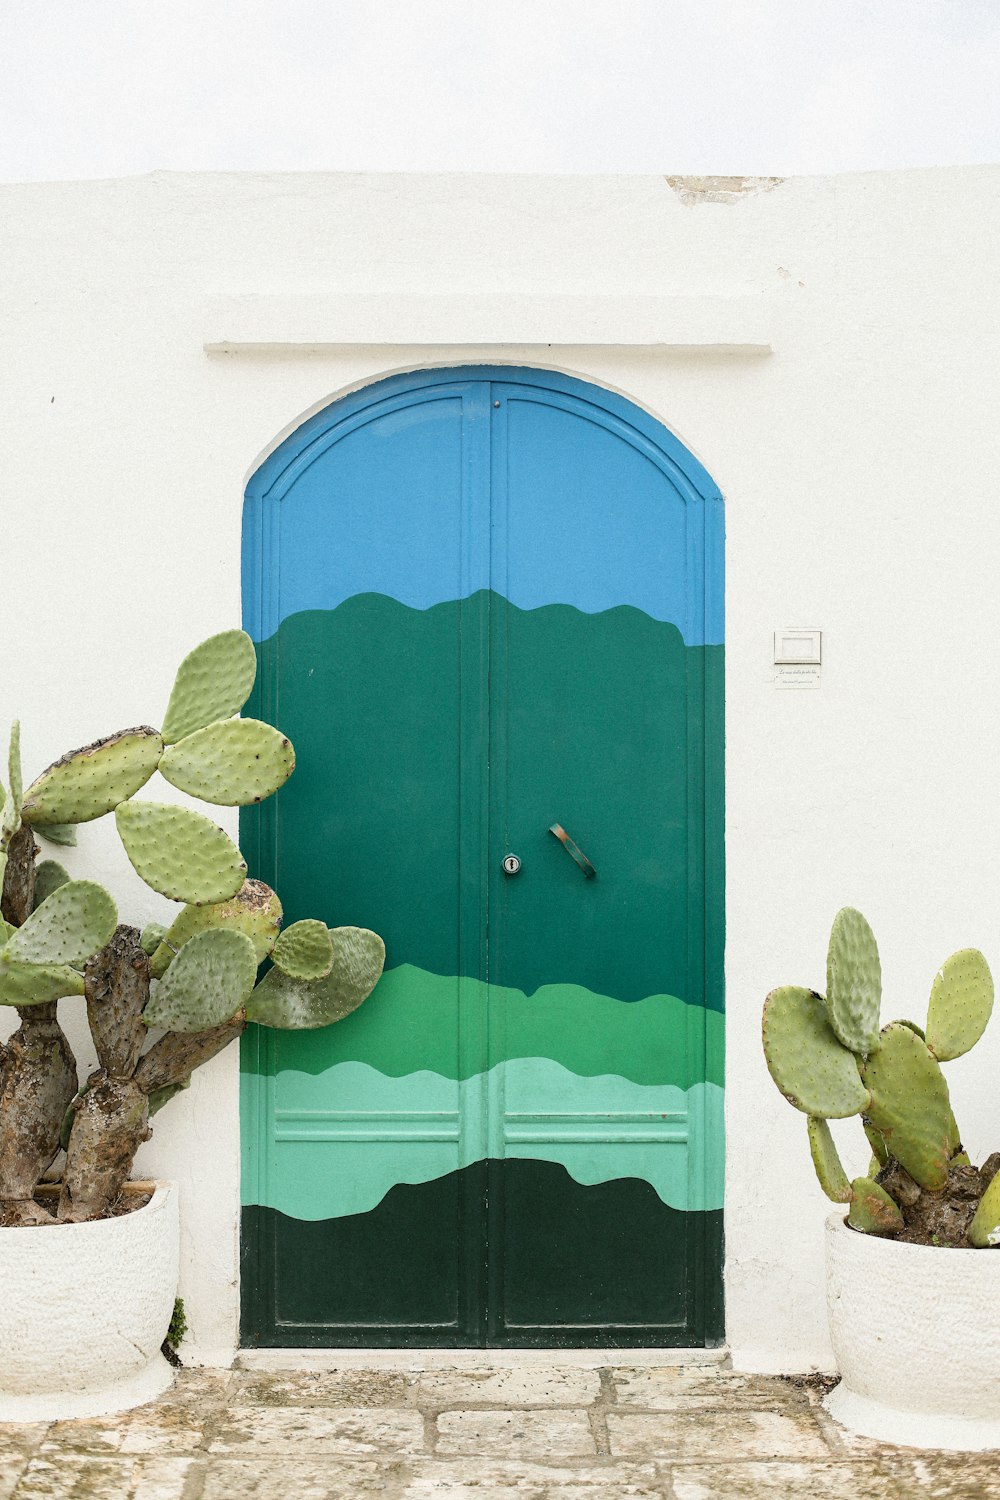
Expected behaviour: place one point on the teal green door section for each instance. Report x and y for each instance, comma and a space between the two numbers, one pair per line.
487, 602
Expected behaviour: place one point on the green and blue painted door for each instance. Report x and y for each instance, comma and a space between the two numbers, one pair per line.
487, 601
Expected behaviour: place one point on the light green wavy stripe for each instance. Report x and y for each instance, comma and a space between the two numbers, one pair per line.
417, 1021
344, 1138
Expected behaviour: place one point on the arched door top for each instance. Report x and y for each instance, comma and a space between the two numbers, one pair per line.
591, 551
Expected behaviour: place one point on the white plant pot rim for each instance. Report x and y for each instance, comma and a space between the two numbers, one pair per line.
86, 1309
916, 1332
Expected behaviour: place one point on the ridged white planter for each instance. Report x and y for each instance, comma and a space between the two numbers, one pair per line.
84, 1309
916, 1332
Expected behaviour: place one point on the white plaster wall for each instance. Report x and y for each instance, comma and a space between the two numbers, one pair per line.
859, 462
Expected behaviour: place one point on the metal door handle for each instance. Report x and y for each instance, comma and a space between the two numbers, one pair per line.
574, 850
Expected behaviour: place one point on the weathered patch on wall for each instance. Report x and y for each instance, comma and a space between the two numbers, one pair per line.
695, 190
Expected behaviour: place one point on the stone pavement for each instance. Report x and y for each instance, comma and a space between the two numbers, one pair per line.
470, 1426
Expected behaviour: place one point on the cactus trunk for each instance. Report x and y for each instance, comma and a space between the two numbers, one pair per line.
117, 989
19, 878
112, 1121
175, 1056
37, 1084
37, 1067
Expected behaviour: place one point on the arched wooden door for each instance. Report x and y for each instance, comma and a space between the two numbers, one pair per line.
487, 601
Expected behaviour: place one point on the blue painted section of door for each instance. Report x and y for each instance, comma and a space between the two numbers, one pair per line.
414, 462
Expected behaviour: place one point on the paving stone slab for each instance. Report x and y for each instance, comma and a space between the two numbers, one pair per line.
939, 1476
524, 1387
12, 1465
321, 1388
783, 1481
300, 1431
20, 1437
76, 1477
161, 1427
474, 1479
198, 1388
689, 1388
556, 1434
291, 1479
689, 1436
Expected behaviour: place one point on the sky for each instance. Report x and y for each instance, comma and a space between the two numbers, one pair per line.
107, 88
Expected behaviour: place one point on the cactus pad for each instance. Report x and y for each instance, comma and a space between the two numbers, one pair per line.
872, 1210
853, 982
255, 910
304, 950
180, 853
879, 1153
832, 1177
984, 1231
159, 1097
71, 924
10, 816
960, 1005
212, 682
811, 1068
151, 937
49, 876
87, 783
233, 762
37, 984
297, 1004
206, 984
14, 765
58, 833
910, 1106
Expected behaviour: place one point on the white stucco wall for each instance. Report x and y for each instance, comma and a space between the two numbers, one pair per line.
859, 461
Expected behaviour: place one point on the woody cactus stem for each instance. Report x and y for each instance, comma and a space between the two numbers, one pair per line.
110, 1117
37, 1067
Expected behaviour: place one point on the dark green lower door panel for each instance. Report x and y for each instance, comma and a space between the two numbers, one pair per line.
610, 1265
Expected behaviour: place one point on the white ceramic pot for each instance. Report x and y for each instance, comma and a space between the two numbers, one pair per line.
84, 1309
916, 1332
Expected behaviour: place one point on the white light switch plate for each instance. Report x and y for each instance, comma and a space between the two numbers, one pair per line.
798, 647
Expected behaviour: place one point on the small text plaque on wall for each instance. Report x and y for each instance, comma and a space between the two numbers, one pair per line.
798, 657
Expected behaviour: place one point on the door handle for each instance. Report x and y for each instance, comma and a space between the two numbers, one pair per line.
573, 850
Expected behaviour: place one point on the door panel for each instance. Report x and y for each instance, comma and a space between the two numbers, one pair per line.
518, 1138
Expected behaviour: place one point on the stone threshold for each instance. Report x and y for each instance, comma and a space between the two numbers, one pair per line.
307, 1360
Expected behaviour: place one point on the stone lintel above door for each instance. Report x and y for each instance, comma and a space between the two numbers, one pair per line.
265, 323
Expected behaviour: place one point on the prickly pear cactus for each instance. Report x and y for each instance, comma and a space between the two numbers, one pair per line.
207, 983
910, 1106
151, 937
213, 682
872, 1210
255, 910
49, 876
832, 1178
827, 1058
299, 1004
807, 1062
37, 984
71, 924
304, 950
232, 763
853, 982
192, 982
180, 853
984, 1231
87, 783
960, 1006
